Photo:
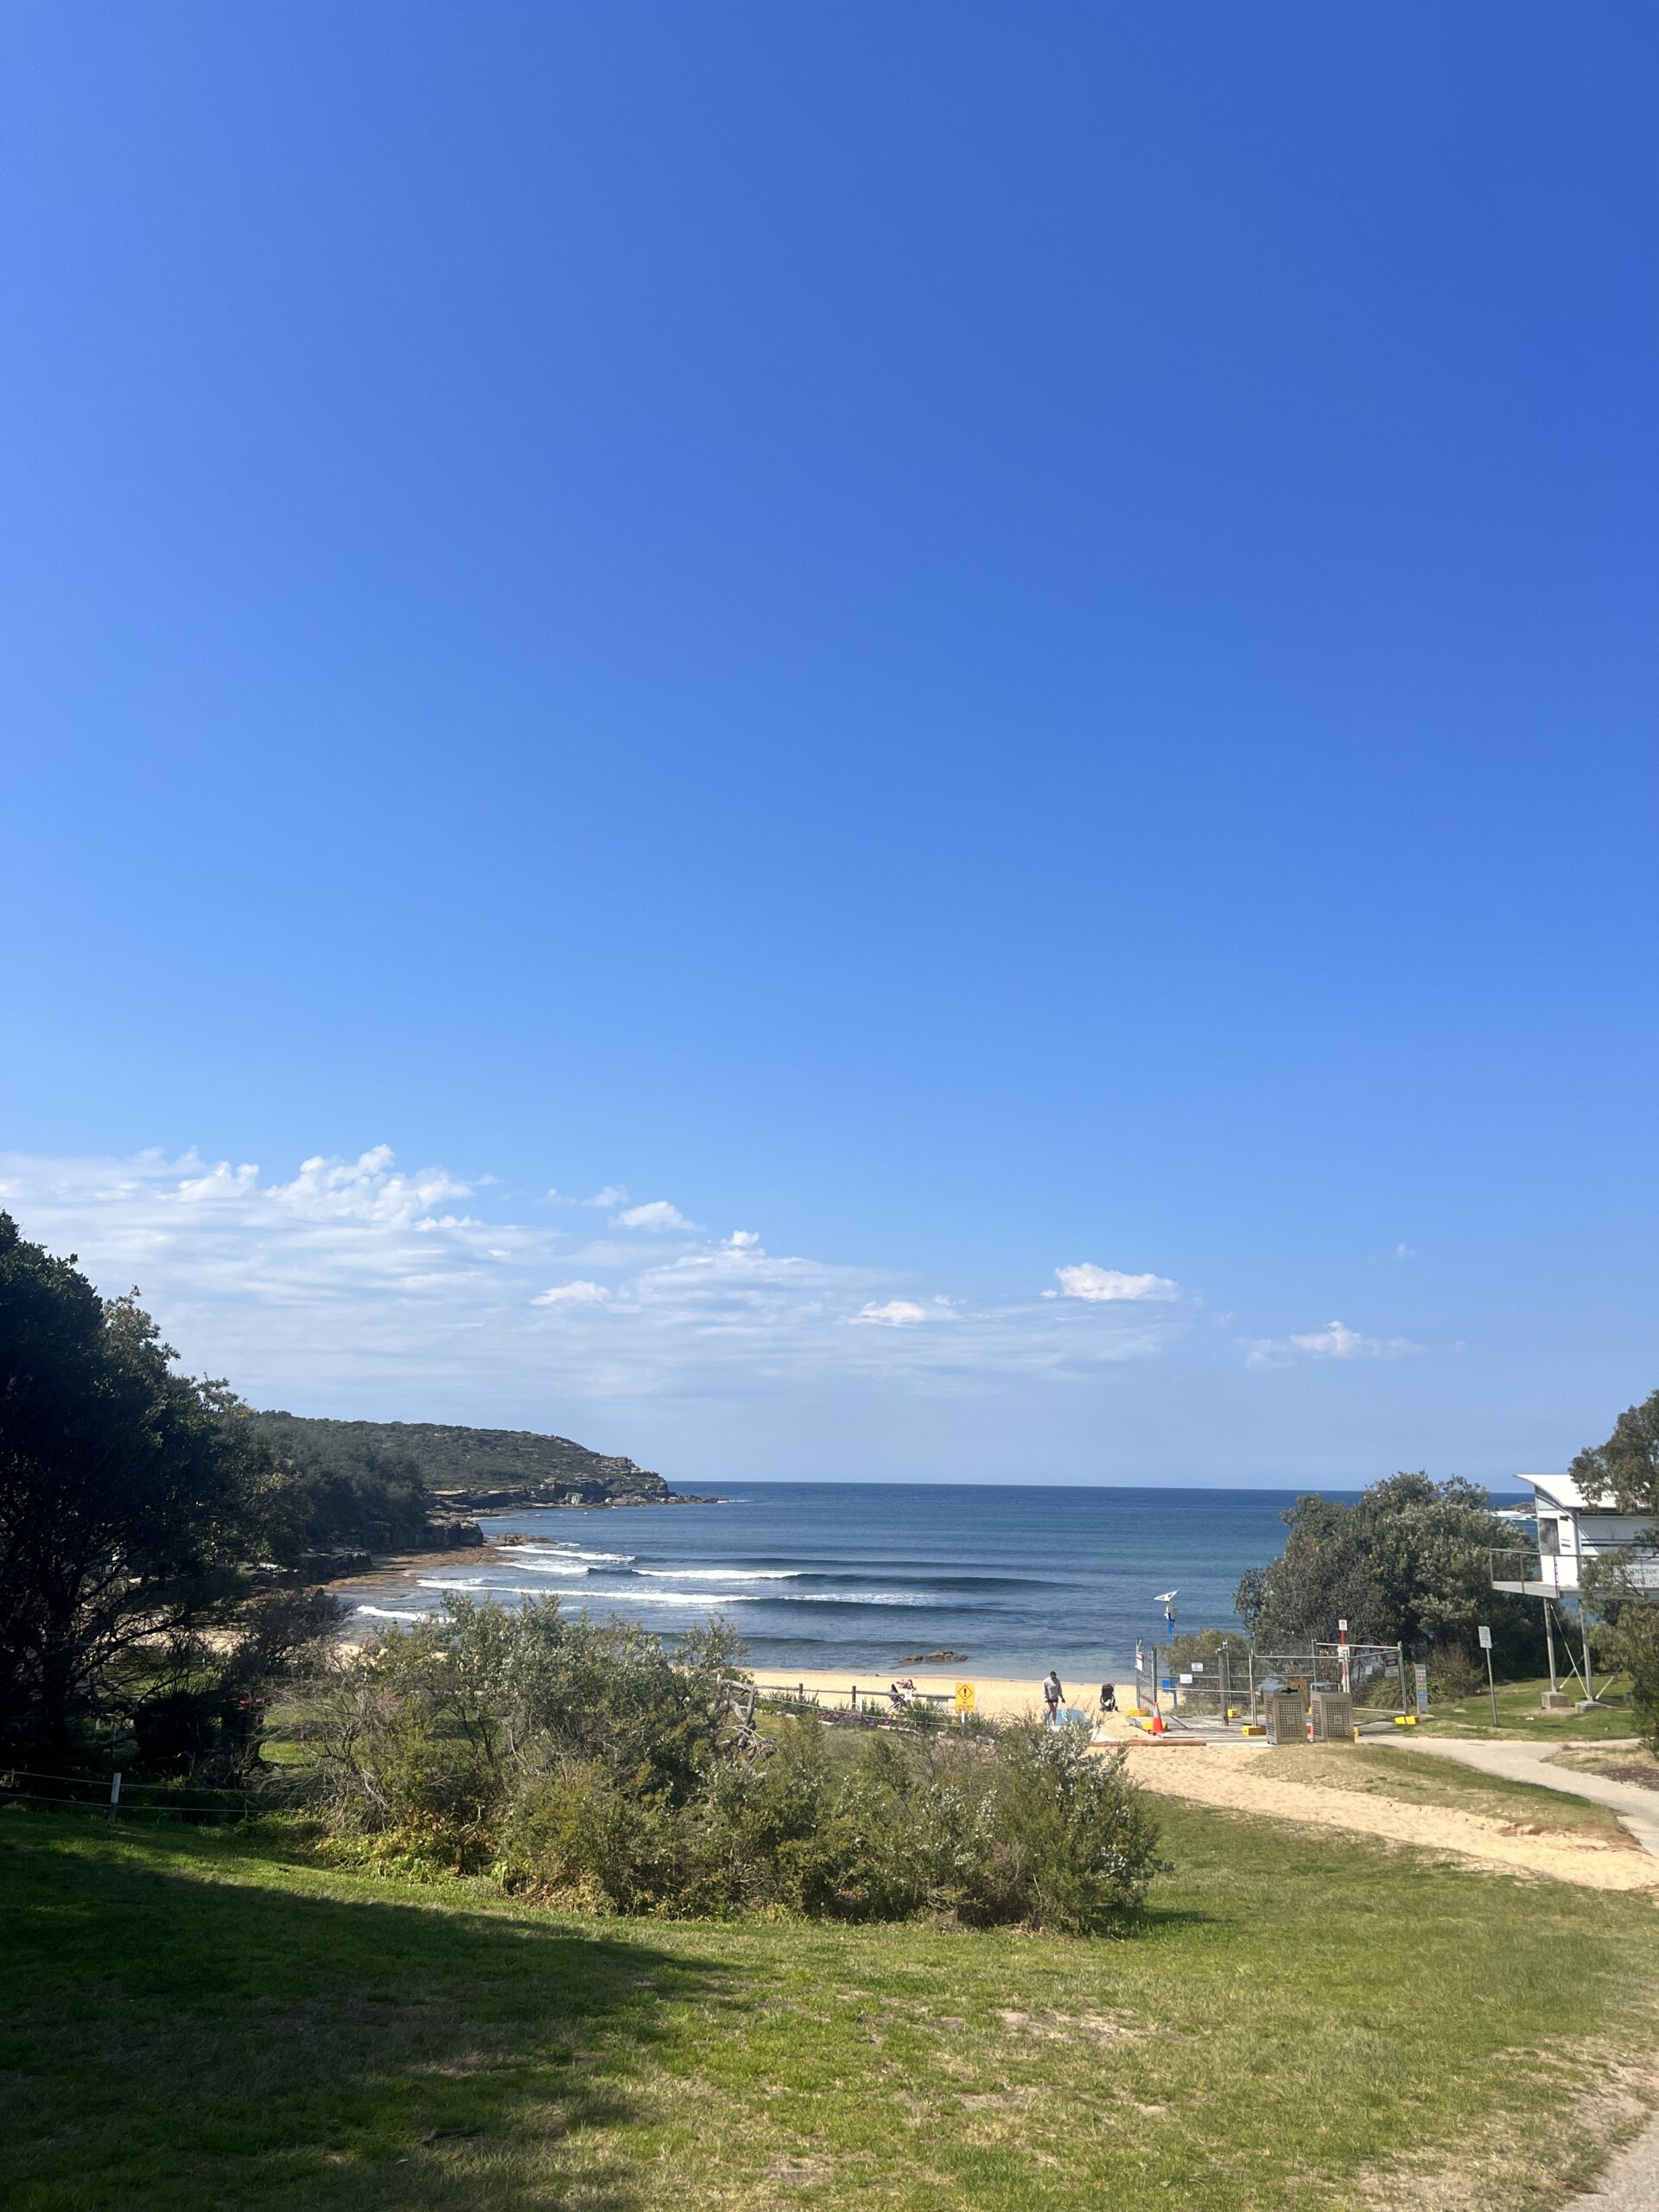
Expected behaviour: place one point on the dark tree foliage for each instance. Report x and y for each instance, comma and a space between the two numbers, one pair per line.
353, 1488
1409, 1562
1625, 1471
132, 1497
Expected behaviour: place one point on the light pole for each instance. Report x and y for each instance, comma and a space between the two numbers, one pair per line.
1167, 1599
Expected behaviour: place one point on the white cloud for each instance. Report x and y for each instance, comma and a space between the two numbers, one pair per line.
657, 1215
613, 1194
356, 1287
1334, 1341
1108, 1286
1405, 1251
897, 1313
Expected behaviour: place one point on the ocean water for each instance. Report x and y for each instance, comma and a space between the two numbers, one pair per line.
855, 1575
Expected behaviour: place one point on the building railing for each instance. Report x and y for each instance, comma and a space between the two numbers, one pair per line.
1631, 1569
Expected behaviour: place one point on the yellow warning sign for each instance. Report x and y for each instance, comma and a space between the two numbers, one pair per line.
964, 1697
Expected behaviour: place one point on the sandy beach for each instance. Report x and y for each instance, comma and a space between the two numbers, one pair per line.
999, 1697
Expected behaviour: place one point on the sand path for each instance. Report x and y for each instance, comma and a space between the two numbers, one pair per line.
1638, 1808
1222, 1776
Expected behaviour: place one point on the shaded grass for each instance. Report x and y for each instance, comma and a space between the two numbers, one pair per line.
198, 2021
1420, 1778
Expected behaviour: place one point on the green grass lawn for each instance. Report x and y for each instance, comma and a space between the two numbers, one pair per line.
1420, 1778
1518, 1714
205, 2020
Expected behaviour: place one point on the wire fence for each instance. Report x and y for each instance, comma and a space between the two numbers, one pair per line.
114, 1799
1232, 1682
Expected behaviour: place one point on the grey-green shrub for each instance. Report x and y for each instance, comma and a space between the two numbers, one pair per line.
580, 1763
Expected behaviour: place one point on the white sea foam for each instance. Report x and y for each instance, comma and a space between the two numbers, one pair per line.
692, 1598
383, 1613
442, 1582
723, 1574
853, 1597
570, 1551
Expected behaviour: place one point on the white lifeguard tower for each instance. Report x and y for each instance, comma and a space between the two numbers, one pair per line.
1573, 1529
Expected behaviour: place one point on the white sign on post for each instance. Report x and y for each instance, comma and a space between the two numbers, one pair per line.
1485, 1636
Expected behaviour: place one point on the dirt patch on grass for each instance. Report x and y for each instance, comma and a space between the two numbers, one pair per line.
1624, 1764
1599, 1858
1066, 2027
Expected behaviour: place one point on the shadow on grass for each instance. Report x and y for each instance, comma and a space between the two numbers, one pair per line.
187, 2029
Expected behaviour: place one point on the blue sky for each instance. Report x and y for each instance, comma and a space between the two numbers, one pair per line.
962, 641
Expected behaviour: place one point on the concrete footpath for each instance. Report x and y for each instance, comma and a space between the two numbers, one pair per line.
1638, 1808
1631, 2184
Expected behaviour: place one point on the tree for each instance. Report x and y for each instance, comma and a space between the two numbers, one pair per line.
357, 1488
1625, 1469
1625, 1472
1409, 1562
132, 1497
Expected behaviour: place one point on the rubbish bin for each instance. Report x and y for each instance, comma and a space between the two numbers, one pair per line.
1286, 1717
1333, 1717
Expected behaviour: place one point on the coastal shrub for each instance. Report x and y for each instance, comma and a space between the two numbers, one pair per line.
580, 1763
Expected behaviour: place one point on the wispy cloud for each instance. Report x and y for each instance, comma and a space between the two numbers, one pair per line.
356, 1284
1109, 1286
657, 1215
613, 1194
1333, 1341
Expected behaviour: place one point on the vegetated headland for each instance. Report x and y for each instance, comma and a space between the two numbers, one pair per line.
397, 1486
484, 1469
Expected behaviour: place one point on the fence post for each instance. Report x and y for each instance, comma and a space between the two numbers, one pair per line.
1400, 1662
114, 1791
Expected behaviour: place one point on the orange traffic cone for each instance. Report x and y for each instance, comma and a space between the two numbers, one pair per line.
1159, 1725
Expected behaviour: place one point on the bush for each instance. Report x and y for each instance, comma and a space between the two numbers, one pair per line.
582, 1766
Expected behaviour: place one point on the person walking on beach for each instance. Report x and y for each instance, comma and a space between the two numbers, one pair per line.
1053, 1695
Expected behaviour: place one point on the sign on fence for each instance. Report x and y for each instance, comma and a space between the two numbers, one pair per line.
964, 1697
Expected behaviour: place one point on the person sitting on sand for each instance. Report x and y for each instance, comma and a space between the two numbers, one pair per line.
1053, 1695
1108, 1697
